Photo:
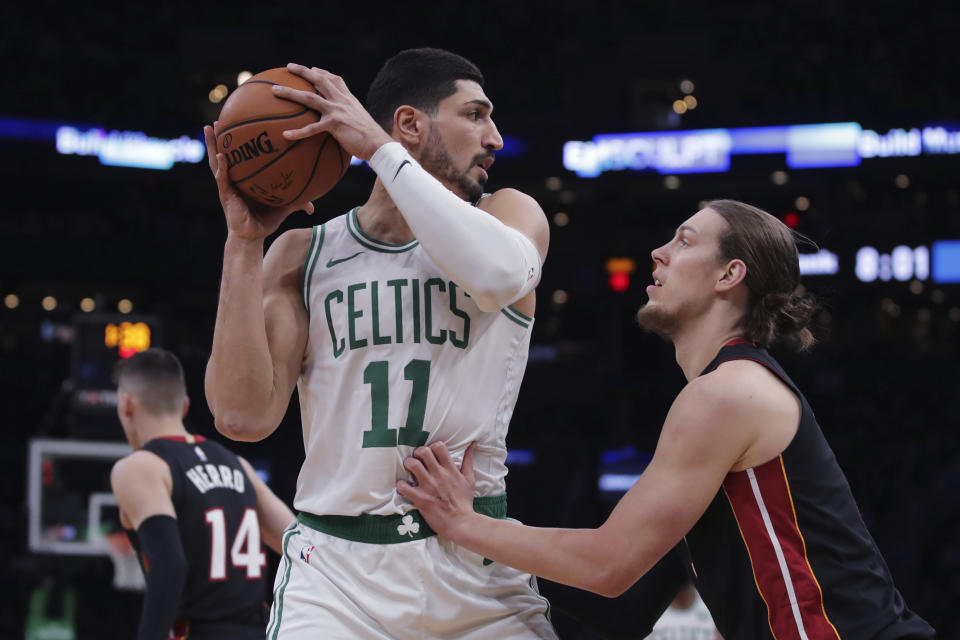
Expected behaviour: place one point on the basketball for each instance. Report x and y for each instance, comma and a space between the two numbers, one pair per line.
265, 166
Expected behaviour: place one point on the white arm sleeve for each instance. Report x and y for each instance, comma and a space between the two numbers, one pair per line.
494, 263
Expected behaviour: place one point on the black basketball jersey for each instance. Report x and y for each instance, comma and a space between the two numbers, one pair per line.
216, 507
782, 551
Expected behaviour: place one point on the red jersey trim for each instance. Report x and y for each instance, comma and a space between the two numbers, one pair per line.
189, 438
763, 508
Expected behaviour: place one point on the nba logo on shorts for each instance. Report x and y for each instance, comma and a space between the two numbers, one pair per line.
305, 553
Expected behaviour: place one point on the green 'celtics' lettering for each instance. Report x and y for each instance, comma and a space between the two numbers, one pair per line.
398, 304
432, 309
353, 314
412, 434
428, 311
460, 313
416, 311
379, 435
375, 316
337, 295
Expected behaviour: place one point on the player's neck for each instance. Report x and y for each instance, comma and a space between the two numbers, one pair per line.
698, 343
150, 427
380, 219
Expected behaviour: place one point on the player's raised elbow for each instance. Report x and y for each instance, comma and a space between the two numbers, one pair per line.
242, 428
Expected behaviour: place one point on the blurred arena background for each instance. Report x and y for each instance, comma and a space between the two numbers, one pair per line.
85, 243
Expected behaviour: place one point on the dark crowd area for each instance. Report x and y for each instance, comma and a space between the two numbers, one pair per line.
882, 379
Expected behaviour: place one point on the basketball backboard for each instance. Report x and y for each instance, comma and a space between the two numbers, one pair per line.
70, 503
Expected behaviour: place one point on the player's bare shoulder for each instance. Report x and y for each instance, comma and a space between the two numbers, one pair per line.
136, 465
135, 470
283, 264
520, 211
508, 196
755, 399
736, 388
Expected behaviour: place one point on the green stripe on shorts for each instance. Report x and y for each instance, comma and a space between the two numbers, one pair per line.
274, 627
393, 529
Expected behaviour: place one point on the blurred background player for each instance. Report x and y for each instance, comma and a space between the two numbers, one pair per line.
405, 320
742, 476
687, 618
195, 512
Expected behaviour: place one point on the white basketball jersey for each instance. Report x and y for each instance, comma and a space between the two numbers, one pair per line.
693, 623
397, 356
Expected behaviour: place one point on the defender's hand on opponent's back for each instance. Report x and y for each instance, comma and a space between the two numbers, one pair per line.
342, 115
444, 493
243, 220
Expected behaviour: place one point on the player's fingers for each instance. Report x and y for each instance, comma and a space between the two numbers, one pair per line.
467, 467
306, 207
331, 79
309, 99
418, 470
307, 73
416, 495
442, 454
339, 82
311, 129
311, 74
223, 179
425, 455
210, 140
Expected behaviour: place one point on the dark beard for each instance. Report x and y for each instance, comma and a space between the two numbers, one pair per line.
437, 161
656, 321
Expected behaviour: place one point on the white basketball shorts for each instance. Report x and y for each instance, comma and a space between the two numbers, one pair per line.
390, 577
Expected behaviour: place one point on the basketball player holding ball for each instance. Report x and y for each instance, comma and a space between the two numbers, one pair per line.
404, 321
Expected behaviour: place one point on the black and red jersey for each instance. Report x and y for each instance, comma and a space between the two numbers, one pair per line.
216, 507
782, 551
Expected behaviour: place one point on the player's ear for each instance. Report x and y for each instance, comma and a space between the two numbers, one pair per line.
733, 274
125, 404
409, 126
186, 406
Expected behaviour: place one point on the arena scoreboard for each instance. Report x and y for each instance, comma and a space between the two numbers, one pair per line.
100, 340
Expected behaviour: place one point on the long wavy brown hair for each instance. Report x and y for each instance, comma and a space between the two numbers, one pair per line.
780, 308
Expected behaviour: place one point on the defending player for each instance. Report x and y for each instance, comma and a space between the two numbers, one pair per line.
195, 513
742, 476
405, 320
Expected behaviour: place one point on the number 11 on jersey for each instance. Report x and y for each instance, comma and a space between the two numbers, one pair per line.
412, 433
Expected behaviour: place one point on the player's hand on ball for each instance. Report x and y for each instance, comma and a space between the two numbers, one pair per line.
342, 115
243, 220
444, 493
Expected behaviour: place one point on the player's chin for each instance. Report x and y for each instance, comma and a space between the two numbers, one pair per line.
472, 189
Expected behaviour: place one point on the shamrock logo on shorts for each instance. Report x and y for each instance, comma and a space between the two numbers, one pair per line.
408, 526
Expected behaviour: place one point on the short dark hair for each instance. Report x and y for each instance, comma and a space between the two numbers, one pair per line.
420, 78
155, 378
779, 305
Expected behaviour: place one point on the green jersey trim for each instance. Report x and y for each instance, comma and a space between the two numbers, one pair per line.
281, 587
522, 320
316, 242
522, 316
353, 226
393, 529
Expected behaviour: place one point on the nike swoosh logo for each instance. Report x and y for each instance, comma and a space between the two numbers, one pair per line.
336, 262
402, 165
